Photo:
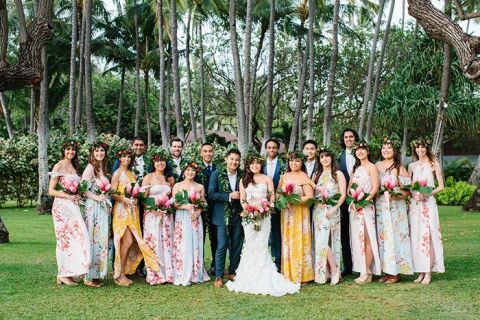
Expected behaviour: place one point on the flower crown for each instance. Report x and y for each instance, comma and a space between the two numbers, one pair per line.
421, 142
156, 154
253, 154
123, 152
326, 149
99, 144
71, 142
361, 145
297, 154
391, 141
191, 164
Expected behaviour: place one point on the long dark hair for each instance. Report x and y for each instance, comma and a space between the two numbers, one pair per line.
248, 174
357, 161
98, 165
430, 155
333, 167
397, 161
75, 162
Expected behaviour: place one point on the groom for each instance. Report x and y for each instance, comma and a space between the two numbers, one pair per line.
223, 192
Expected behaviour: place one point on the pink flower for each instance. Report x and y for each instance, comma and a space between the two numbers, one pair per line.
422, 183
288, 188
194, 195
128, 188
389, 183
135, 190
357, 194
322, 191
163, 201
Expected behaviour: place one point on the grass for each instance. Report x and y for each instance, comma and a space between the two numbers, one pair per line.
28, 289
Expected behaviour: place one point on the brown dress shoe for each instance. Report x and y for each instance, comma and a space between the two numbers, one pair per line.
231, 277
218, 283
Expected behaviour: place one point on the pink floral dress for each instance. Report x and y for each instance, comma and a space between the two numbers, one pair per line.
73, 244
158, 234
360, 220
425, 225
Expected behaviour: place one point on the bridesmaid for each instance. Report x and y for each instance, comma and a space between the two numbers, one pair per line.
363, 237
425, 234
97, 214
188, 236
158, 225
127, 234
326, 219
392, 219
297, 265
73, 246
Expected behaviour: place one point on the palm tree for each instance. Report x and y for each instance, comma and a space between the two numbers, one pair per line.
6, 114
176, 71
189, 71
311, 59
271, 65
161, 100
138, 105
81, 72
73, 65
203, 132
247, 43
88, 72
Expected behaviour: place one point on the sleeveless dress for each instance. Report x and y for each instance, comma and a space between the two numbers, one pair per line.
425, 224
326, 231
257, 272
125, 217
73, 243
188, 249
392, 230
360, 220
158, 234
297, 260
97, 220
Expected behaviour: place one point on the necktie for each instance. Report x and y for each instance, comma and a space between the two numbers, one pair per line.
209, 168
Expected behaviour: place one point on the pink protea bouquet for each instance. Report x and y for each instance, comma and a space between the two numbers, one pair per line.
160, 202
255, 210
389, 185
358, 197
133, 191
68, 186
287, 196
420, 186
323, 197
103, 185
190, 197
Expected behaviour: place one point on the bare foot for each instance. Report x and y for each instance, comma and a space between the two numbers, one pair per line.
420, 278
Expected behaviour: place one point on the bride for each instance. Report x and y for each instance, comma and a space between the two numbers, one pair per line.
257, 272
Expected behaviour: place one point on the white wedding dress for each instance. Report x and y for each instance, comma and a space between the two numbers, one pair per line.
257, 272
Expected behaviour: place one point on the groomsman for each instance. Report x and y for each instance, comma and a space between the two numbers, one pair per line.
223, 191
310, 151
207, 153
274, 168
346, 163
176, 150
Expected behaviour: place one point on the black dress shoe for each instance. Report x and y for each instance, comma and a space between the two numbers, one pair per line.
346, 273
141, 273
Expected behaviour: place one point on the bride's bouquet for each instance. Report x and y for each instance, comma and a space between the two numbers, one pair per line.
357, 198
390, 186
255, 210
324, 198
159, 202
190, 197
287, 196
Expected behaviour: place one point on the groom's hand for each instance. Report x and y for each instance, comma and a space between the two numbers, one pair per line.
235, 195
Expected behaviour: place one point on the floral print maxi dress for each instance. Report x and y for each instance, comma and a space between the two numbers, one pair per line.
125, 217
360, 220
73, 244
97, 220
326, 231
158, 234
425, 225
297, 265
392, 230
188, 249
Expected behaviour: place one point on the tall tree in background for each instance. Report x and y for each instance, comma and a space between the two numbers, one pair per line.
73, 66
270, 69
138, 104
161, 99
189, 71
176, 71
311, 63
88, 71
247, 72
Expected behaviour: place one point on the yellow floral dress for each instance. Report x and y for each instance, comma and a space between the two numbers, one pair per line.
297, 264
125, 217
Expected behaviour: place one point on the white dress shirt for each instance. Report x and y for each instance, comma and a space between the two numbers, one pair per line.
310, 166
349, 160
271, 166
140, 166
178, 170
232, 178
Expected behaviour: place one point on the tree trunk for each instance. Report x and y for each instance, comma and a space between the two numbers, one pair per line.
378, 74
120, 102
271, 64
147, 110
138, 105
73, 65
404, 142
6, 114
241, 119
368, 85
475, 176
247, 46
88, 72
168, 103
203, 130
327, 109
474, 203
81, 73
176, 72
253, 83
189, 75
161, 100
311, 47
4, 235
403, 14
34, 101
3, 33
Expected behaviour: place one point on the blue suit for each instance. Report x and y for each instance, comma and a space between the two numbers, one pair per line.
229, 237
345, 222
276, 233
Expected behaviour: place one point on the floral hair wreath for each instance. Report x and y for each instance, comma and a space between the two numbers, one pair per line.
71, 142
156, 154
391, 141
123, 152
361, 145
191, 164
99, 144
295, 155
253, 154
421, 142
326, 149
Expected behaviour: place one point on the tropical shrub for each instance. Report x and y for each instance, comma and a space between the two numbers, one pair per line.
455, 193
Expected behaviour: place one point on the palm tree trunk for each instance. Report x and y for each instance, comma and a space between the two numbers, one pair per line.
6, 114
81, 73
189, 74
203, 130
73, 65
241, 119
311, 47
368, 85
403, 14
4, 235
161, 100
34, 99
176, 72
247, 46
138, 105
378, 73
327, 109
271, 64
475, 176
253, 83
404, 148
168, 103
88, 72
120, 102
147, 110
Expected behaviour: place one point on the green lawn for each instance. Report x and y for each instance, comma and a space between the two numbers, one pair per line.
28, 289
